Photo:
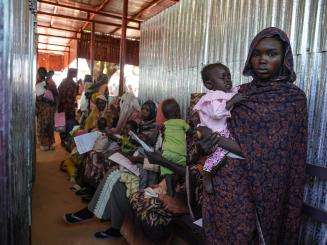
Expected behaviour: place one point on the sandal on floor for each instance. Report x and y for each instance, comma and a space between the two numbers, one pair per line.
86, 199
103, 235
82, 192
73, 219
75, 188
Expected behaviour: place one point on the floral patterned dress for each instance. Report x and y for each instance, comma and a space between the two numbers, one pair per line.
271, 129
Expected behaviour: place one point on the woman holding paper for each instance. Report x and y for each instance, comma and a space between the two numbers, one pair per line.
46, 101
91, 123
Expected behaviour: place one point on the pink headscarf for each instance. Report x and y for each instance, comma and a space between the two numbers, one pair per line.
160, 118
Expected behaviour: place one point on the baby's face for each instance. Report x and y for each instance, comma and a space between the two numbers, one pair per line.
220, 80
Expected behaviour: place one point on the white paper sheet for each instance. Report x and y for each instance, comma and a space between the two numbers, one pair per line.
85, 142
118, 136
198, 222
125, 162
40, 88
232, 155
149, 192
142, 143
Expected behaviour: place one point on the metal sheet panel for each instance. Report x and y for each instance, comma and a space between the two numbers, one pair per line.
17, 145
176, 43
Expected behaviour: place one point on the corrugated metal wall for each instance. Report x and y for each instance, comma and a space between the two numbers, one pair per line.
176, 44
17, 59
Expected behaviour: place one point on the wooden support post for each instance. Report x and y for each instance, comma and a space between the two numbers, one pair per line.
77, 62
122, 53
68, 56
92, 48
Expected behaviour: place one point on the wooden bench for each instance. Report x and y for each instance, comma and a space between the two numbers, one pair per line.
314, 171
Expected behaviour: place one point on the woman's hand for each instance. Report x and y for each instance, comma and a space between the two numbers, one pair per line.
154, 186
173, 205
136, 159
209, 143
236, 99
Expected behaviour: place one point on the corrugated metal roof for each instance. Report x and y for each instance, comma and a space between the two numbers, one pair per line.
55, 17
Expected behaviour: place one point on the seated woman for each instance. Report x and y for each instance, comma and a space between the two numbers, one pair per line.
148, 132
111, 198
129, 110
91, 123
95, 167
100, 110
96, 164
149, 205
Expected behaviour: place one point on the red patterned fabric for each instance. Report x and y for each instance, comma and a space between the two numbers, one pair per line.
67, 93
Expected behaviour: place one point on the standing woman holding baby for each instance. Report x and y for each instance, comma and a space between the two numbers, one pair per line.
45, 109
258, 199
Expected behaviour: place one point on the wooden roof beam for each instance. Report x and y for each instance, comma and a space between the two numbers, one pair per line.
85, 20
55, 50
111, 15
49, 35
53, 44
139, 13
57, 28
98, 9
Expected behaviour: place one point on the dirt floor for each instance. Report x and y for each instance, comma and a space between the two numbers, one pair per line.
52, 198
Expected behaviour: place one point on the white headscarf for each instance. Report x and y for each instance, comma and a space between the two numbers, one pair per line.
128, 105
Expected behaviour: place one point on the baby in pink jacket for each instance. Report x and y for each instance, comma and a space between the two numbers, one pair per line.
215, 106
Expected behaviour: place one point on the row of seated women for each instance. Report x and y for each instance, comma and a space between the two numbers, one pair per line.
113, 191
246, 145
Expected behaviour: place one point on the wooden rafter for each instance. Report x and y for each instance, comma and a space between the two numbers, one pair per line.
56, 28
54, 50
88, 20
50, 35
100, 8
139, 13
111, 15
54, 44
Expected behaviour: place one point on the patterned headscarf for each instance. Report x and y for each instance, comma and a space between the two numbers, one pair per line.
287, 73
160, 118
129, 110
101, 97
94, 97
153, 109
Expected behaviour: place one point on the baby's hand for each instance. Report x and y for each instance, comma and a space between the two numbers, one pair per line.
236, 99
